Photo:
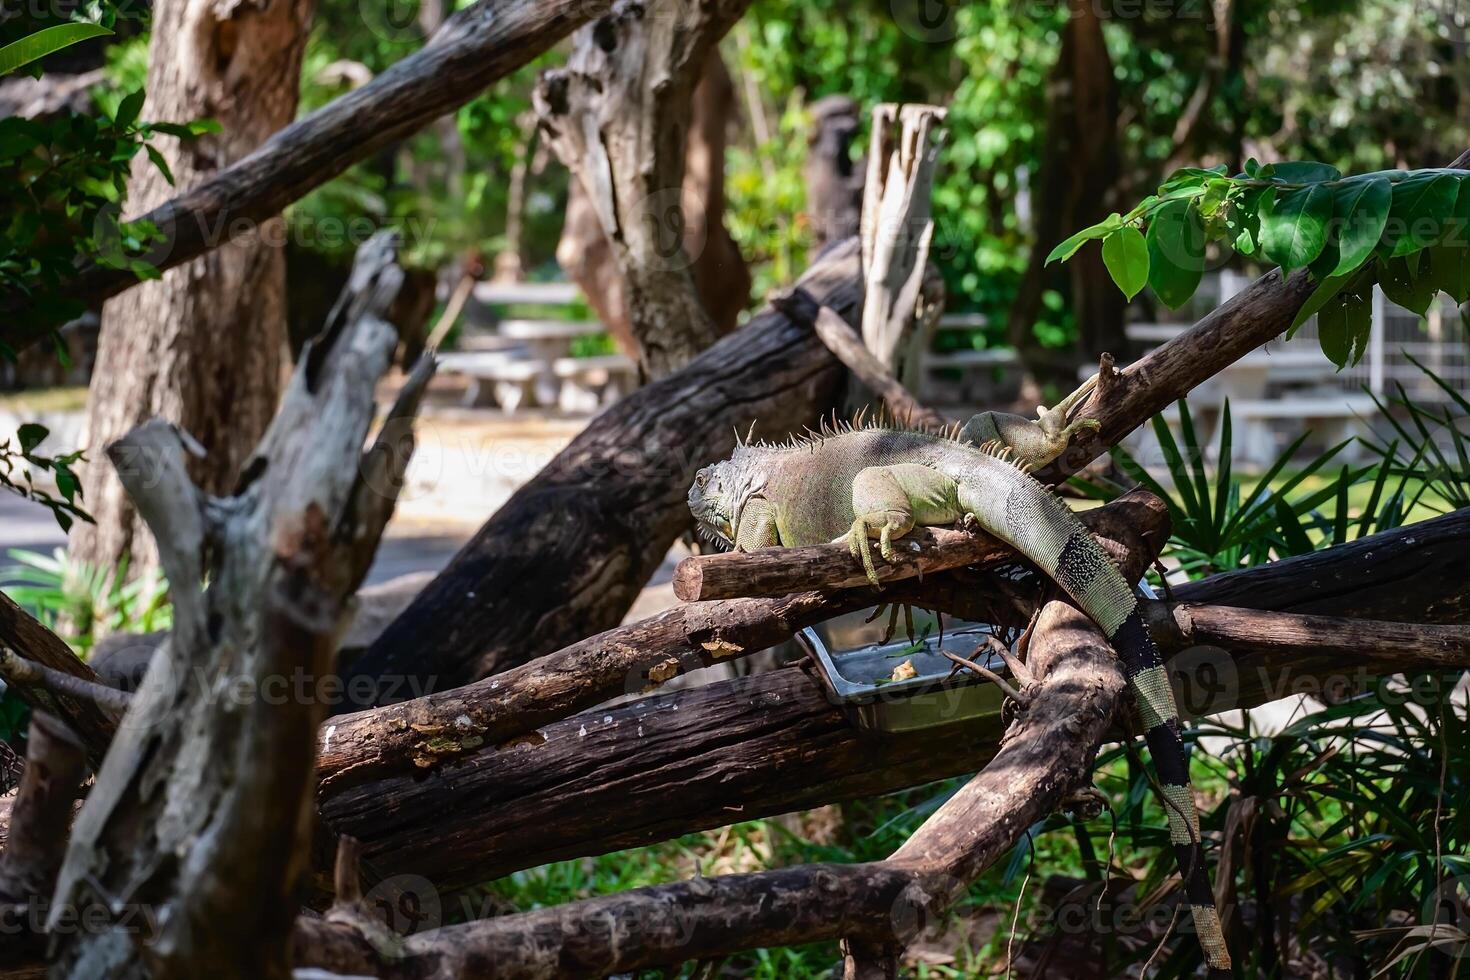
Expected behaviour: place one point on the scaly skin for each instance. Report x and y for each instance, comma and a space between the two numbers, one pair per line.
1034, 444
855, 485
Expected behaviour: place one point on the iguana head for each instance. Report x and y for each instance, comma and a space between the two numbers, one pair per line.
719, 494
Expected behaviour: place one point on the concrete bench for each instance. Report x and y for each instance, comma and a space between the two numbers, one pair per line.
589, 383
513, 377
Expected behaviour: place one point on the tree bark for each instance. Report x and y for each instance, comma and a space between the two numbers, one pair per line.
671, 764
566, 556
721, 277
202, 345
834, 181
619, 117
30, 638
201, 812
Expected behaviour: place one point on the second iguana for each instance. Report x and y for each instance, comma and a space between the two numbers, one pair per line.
874, 481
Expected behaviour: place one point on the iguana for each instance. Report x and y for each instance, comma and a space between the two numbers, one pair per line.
856, 482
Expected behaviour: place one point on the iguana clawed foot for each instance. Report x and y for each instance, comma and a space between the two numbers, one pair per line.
889, 525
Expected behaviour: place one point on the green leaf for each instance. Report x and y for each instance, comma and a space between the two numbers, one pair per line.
1404, 284
1324, 293
1176, 252
160, 163
1188, 177
1125, 253
1304, 172
1420, 213
1294, 226
143, 270
1069, 247
31, 435
128, 109
1360, 211
1343, 325
1449, 270
49, 40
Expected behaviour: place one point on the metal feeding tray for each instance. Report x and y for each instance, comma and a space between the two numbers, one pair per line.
856, 668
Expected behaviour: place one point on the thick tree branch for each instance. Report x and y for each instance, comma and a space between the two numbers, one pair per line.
29, 639
476, 46
1283, 637
847, 346
565, 557
1146, 387
671, 764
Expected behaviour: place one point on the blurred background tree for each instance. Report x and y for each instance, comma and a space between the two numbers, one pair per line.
1360, 84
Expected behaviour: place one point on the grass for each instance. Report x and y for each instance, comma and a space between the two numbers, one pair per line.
976, 933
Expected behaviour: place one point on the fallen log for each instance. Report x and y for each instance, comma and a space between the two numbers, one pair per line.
1044, 756
425, 731
666, 765
565, 557
29, 639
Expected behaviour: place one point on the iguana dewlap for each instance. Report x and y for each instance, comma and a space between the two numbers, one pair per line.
876, 482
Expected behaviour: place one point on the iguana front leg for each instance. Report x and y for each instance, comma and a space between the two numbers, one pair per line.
1034, 444
757, 526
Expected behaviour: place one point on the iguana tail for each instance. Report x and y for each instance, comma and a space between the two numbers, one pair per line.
1046, 531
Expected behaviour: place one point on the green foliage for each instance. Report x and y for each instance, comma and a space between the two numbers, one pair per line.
1429, 445
59, 590
1217, 523
48, 40
19, 463
1404, 229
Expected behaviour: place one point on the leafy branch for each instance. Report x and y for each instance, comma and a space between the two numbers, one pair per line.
19, 462
62, 181
1405, 230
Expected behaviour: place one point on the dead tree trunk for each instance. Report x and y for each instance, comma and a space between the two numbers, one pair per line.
618, 116
834, 185
721, 278
897, 226
772, 743
202, 345
201, 811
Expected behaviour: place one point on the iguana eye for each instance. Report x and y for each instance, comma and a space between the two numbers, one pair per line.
701, 479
